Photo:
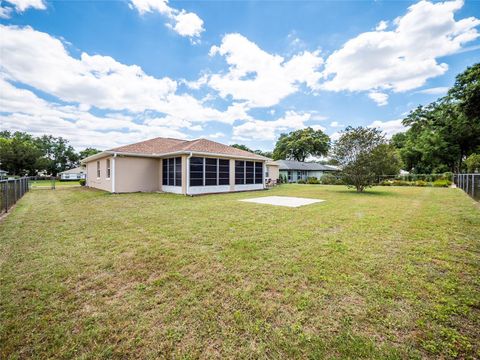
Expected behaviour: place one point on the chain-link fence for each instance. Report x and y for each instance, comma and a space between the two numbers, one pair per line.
11, 191
470, 183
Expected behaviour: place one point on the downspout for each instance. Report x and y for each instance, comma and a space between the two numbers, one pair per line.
188, 172
113, 172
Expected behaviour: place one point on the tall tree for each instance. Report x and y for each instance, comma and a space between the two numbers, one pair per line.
363, 155
87, 152
442, 134
57, 154
242, 147
299, 144
18, 153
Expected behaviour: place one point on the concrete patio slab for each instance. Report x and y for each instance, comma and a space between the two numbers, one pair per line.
283, 201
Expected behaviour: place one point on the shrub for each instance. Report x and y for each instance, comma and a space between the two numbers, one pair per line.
401, 183
312, 180
329, 179
386, 183
447, 176
442, 183
301, 181
82, 182
421, 183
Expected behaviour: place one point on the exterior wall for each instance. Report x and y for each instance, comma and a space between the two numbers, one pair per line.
134, 174
72, 176
249, 187
273, 172
137, 174
310, 173
197, 190
102, 183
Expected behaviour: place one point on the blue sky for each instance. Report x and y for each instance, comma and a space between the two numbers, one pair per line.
107, 73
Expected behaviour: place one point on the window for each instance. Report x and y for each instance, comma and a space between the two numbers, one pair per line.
108, 168
223, 172
98, 169
178, 171
258, 173
196, 171
172, 172
248, 172
239, 172
209, 171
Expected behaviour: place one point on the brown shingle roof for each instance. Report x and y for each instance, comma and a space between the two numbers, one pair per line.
164, 146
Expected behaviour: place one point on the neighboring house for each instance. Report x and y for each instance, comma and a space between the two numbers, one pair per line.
177, 166
272, 171
73, 174
3, 174
297, 170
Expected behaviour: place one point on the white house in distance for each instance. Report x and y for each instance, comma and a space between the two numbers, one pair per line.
297, 170
186, 167
73, 174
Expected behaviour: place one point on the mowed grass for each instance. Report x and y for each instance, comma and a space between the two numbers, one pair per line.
391, 273
48, 183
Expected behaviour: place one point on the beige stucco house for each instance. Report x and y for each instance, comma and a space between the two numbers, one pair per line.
188, 167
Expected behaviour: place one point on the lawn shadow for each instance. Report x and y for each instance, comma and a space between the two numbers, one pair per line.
367, 192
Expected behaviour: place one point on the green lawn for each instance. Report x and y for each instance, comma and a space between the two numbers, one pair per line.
391, 273
48, 183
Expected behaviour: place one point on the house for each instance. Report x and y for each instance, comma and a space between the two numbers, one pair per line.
186, 167
73, 174
297, 170
272, 171
3, 174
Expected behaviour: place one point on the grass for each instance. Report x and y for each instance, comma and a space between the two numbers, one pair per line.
392, 273
48, 183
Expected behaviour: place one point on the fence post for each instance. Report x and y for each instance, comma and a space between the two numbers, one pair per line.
473, 185
6, 195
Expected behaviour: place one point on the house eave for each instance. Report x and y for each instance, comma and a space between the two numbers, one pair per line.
164, 155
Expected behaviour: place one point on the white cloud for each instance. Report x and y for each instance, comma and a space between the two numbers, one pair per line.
434, 91
405, 57
336, 124
184, 23
335, 136
268, 130
389, 127
19, 6
259, 78
382, 25
41, 61
25, 111
380, 98
216, 135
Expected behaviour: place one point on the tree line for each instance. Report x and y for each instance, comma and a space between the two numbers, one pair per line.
25, 154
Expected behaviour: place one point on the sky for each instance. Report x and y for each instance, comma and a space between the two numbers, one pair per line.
108, 73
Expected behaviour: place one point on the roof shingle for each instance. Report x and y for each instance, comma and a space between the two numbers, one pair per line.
164, 146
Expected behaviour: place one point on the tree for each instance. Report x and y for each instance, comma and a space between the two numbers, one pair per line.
267, 154
87, 152
442, 134
363, 155
58, 156
299, 144
473, 163
18, 153
242, 147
